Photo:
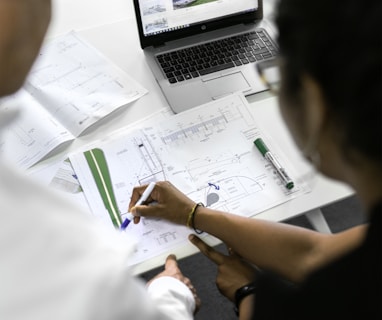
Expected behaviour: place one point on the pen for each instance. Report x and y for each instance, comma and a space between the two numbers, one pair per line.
261, 146
145, 195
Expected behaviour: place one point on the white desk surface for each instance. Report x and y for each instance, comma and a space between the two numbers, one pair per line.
110, 26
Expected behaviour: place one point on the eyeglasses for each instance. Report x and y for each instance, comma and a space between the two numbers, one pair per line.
269, 71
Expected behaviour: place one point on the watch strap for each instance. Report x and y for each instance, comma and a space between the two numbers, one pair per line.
243, 292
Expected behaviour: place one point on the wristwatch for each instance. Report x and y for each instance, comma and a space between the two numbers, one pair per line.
242, 292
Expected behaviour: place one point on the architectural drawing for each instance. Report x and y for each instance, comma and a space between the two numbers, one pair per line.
207, 152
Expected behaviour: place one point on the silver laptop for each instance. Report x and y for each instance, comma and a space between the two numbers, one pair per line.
202, 50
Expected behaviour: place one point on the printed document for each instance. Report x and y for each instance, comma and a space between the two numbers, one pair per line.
207, 152
70, 87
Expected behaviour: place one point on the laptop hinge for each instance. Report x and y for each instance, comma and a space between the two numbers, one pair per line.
159, 45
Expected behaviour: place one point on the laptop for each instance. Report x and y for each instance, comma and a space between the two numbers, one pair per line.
203, 50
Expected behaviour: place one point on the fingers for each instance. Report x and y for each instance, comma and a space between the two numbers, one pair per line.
164, 202
139, 190
137, 193
171, 263
137, 208
208, 251
152, 210
146, 211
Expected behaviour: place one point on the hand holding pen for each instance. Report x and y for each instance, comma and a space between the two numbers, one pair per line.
174, 206
170, 203
143, 198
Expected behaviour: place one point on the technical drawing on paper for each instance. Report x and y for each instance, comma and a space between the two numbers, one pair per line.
71, 77
207, 152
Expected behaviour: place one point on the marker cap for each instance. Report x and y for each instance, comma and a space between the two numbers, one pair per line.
290, 185
259, 143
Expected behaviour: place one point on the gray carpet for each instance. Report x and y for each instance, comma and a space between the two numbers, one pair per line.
340, 216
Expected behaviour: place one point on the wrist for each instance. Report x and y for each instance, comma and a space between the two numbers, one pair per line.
242, 296
189, 211
191, 217
246, 307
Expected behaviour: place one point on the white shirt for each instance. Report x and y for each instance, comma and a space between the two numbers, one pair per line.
58, 263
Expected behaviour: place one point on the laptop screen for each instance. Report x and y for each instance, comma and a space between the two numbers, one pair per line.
159, 16
166, 17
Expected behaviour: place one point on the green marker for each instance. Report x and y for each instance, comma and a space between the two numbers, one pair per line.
261, 146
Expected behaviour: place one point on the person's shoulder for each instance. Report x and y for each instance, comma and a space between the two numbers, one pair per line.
351, 284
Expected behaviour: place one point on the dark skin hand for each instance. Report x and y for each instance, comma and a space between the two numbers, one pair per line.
233, 273
164, 195
292, 252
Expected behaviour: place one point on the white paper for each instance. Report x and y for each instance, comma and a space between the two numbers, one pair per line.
207, 152
70, 87
32, 134
59, 175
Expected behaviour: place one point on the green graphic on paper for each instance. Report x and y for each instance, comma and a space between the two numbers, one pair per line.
100, 171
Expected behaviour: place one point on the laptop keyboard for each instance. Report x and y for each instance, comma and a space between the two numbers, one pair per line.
199, 60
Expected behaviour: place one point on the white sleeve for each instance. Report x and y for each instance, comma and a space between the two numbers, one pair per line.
57, 262
172, 297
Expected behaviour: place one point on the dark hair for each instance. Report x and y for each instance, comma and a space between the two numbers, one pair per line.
338, 43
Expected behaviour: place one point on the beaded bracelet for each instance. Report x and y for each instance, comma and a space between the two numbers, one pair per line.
191, 218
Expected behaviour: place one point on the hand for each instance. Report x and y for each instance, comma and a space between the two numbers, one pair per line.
233, 272
171, 269
170, 203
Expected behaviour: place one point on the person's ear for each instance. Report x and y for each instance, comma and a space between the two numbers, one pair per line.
315, 114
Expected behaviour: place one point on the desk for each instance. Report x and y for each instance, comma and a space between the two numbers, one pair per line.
110, 26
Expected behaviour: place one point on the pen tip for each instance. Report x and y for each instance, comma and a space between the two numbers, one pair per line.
125, 224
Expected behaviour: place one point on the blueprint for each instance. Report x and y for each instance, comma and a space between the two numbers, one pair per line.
70, 87
77, 84
207, 152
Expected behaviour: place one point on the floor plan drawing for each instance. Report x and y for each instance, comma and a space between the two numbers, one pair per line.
207, 152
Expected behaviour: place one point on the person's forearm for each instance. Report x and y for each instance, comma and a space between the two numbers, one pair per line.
246, 307
292, 252
282, 248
